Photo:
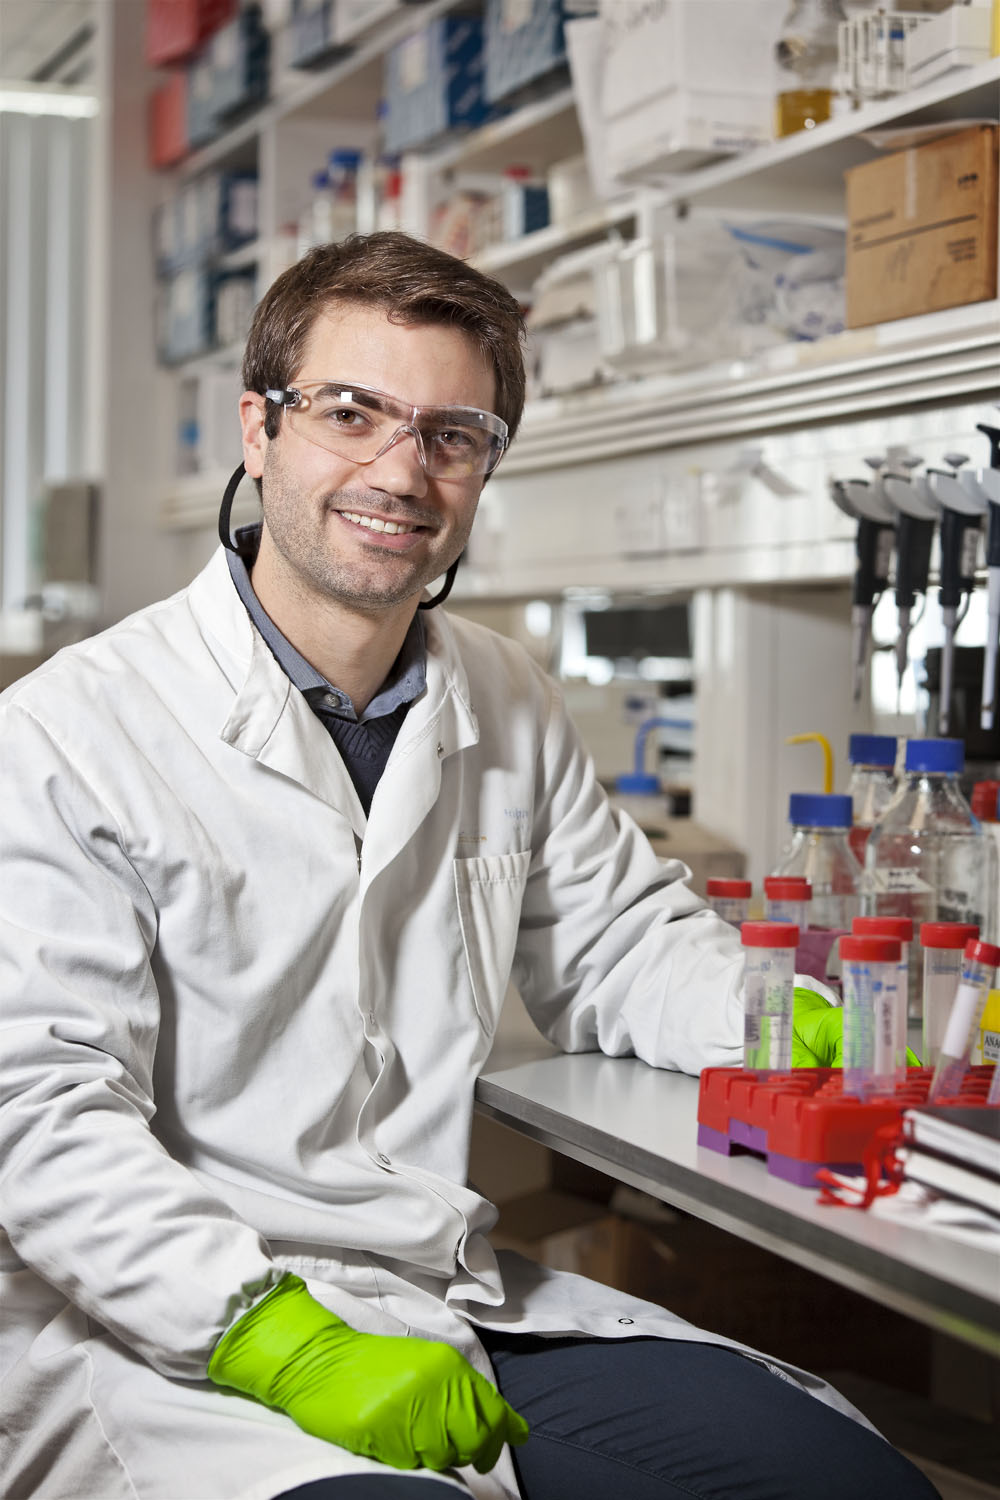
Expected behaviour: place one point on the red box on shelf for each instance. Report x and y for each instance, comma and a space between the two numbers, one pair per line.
168, 114
175, 29
802, 1120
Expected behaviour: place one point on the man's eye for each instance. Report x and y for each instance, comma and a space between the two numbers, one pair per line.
343, 416
453, 437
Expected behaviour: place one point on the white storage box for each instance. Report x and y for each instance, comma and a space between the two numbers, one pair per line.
684, 81
958, 38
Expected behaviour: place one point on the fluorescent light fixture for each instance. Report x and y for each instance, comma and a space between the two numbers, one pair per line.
35, 99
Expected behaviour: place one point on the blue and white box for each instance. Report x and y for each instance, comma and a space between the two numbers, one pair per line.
434, 83
525, 40
240, 56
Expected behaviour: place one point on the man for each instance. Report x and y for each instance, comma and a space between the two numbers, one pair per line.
271, 850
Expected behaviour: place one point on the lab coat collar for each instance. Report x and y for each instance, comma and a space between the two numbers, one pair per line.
270, 720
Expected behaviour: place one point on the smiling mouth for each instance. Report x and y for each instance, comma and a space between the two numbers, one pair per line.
372, 523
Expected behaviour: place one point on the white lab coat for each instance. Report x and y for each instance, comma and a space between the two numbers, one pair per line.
242, 1025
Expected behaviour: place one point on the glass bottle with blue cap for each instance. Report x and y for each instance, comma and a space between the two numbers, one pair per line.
872, 784
928, 857
820, 853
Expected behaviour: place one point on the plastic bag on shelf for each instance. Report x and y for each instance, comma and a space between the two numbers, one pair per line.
790, 280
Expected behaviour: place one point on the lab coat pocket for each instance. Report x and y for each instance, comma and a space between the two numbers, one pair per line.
489, 891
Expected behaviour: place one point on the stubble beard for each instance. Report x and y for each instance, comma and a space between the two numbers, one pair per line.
301, 536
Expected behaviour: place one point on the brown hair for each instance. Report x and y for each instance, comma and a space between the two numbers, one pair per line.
413, 282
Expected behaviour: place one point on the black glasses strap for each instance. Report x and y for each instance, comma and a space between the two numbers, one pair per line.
226, 509
439, 598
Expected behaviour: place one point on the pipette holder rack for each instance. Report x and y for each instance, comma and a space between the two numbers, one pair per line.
802, 1120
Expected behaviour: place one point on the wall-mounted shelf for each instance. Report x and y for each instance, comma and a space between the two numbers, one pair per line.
943, 357
932, 359
538, 134
804, 172
523, 260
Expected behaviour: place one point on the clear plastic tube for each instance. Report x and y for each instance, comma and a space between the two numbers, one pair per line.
769, 990
993, 1097
787, 899
869, 970
979, 965
943, 944
900, 928
730, 899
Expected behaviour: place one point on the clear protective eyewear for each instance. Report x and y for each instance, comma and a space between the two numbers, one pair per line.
360, 424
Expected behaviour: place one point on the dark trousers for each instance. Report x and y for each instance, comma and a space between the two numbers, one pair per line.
634, 1419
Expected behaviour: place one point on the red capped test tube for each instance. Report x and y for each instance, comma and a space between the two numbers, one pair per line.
900, 928
787, 898
769, 993
729, 898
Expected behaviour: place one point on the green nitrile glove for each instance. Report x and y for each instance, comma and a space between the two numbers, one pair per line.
818, 1033
408, 1402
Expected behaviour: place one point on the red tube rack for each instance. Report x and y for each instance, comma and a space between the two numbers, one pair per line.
802, 1120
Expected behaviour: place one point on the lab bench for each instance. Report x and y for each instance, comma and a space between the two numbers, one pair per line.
638, 1125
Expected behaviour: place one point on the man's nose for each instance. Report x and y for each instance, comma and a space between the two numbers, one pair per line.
399, 465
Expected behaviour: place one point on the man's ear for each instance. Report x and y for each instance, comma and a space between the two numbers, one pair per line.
255, 439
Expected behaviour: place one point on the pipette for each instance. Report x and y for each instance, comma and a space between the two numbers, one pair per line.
863, 501
979, 965
916, 516
989, 481
962, 509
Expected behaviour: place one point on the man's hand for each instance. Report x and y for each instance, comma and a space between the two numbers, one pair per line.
818, 1033
408, 1402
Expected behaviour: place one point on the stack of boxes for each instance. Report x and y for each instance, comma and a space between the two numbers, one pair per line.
434, 83
220, 55
200, 306
318, 30
525, 42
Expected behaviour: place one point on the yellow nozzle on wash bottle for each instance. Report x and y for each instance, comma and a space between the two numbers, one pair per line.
824, 744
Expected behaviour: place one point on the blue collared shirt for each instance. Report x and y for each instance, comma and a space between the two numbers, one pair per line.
364, 743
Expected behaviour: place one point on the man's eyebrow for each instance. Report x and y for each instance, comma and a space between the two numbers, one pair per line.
356, 394
459, 416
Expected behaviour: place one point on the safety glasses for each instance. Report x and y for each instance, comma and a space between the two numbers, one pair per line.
360, 424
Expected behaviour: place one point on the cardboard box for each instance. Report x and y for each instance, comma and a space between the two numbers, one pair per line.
922, 228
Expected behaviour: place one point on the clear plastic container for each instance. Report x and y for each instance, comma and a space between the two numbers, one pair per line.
900, 928
819, 852
869, 966
943, 944
928, 857
729, 898
979, 967
872, 784
806, 56
787, 899
769, 992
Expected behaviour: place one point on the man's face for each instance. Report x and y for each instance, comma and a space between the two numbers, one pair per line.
318, 507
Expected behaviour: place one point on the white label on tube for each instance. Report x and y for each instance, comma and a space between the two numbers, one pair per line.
964, 1015
884, 998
